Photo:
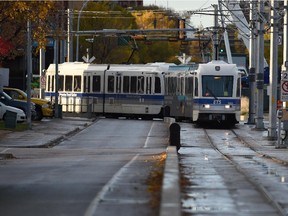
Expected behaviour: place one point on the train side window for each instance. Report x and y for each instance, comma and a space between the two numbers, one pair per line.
182, 86
60, 83
52, 87
89, 84
111, 84
48, 83
238, 92
133, 84
174, 86
157, 85
140, 84
77, 83
126, 84
166, 86
189, 85
96, 80
68, 83
118, 84
196, 87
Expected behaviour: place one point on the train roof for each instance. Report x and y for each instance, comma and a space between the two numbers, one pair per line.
217, 66
80, 66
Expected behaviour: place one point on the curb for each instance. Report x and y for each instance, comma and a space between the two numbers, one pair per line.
170, 196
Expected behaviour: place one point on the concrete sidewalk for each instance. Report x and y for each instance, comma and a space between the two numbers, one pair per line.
43, 133
259, 141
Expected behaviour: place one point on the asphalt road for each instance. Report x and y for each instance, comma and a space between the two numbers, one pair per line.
102, 170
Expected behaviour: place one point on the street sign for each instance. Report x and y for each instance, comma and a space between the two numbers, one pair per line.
284, 76
88, 60
43, 81
284, 90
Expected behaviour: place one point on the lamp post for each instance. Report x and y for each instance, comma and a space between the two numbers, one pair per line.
78, 24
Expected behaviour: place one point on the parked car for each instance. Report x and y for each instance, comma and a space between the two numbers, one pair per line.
21, 117
43, 107
7, 100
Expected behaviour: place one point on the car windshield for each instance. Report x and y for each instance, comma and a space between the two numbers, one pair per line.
7, 96
23, 93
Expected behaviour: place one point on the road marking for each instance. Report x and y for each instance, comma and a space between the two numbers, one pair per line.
100, 196
148, 136
5, 150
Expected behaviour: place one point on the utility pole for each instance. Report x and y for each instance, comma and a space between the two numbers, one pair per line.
29, 74
260, 68
272, 134
226, 37
78, 26
252, 62
41, 70
285, 64
215, 33
56, 58
69, 35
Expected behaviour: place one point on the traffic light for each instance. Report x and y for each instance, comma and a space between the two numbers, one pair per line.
181, 25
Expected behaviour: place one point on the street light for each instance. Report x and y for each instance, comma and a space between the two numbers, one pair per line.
78, 24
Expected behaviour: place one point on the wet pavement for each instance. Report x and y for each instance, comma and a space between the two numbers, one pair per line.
214, 184
50, 131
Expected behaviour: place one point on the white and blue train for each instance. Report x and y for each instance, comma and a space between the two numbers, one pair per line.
200, 93
110, 90
204, 93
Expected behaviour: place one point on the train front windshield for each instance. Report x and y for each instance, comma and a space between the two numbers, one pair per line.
217, 86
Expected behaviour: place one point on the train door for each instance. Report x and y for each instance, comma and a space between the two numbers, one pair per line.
118, 94
109, 93
195, 99
188, 96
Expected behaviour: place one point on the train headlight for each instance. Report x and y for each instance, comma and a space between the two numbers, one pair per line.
206, 106
228, 106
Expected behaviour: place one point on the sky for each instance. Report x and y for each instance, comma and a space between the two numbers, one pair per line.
188, 5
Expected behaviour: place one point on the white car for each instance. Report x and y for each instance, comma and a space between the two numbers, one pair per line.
21, 117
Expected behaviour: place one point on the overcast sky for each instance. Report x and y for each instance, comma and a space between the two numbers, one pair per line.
188, 5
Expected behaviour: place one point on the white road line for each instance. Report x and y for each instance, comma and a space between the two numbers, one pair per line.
148, 136
100, 196
5, 150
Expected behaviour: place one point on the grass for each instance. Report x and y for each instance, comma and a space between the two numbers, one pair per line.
19, 126
155, 179
244, 105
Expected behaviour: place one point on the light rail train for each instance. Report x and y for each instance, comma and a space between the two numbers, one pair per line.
198, 92
204, 93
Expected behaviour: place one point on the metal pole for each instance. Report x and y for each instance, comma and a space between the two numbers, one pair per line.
215, 33
260, 68
41, 70
285, 56
273, 71
78, 26
226, 37
29, 74
56, 50
252, 64
69, 35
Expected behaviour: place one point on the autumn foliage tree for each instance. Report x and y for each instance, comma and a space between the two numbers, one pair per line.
13, 23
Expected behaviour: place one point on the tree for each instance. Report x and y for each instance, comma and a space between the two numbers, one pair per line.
13, 21
106, 48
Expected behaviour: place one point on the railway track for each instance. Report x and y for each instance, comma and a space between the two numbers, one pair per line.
225, 176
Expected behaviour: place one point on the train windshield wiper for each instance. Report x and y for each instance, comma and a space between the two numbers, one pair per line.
210, 92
